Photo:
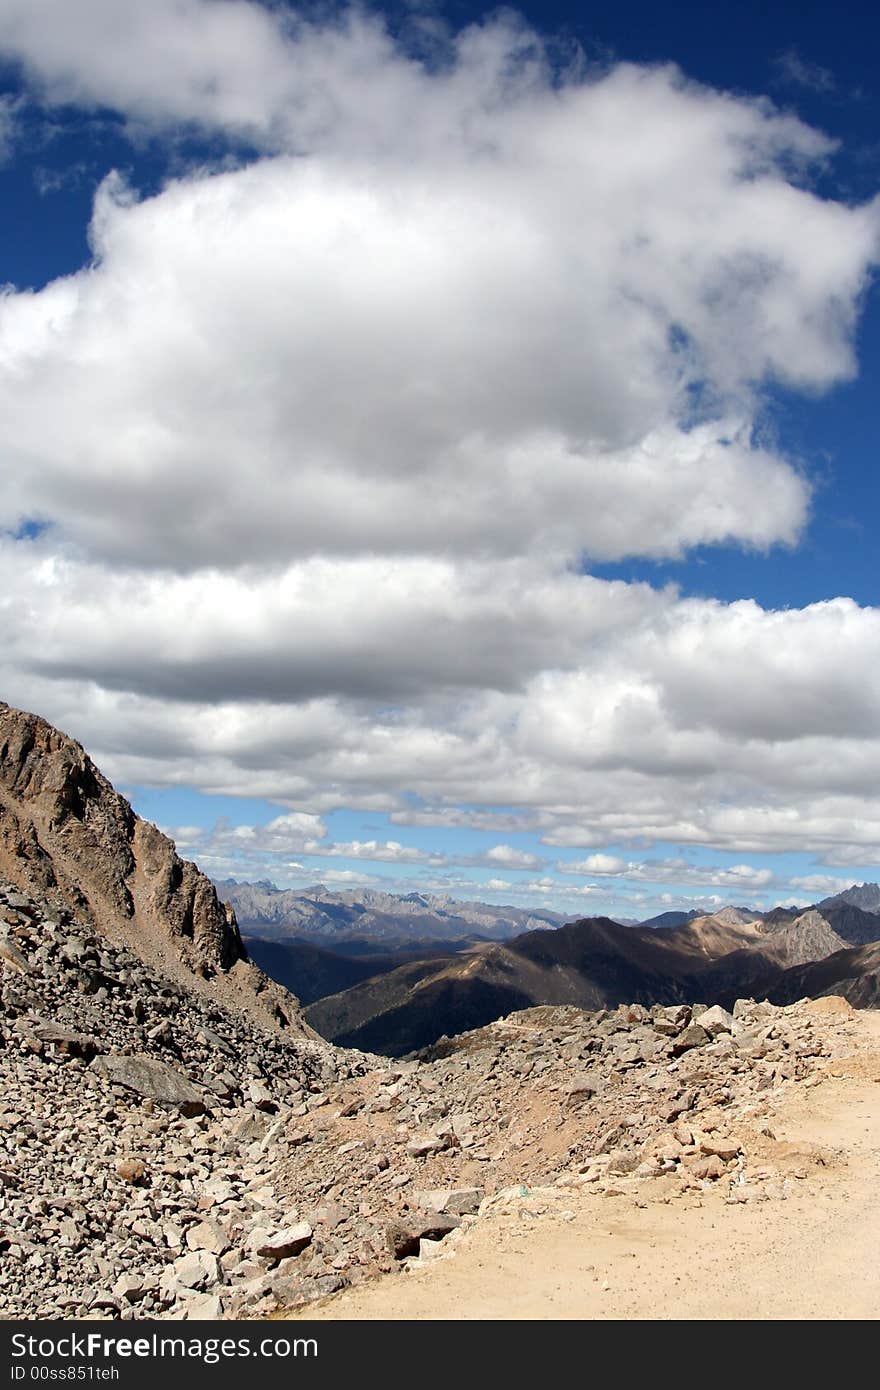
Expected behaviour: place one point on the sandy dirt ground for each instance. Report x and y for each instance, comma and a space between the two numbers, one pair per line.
812, 1254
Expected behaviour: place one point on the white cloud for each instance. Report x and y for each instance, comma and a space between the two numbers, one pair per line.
799, 71
366, 627
594, 864
480, 346
349, 878
616, 750
9, 115
388, 852
322, 443
511, 858
682, 871
290, 833
187, 838
821, 885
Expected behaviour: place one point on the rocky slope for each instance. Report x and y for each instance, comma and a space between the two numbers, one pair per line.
67, 836
132, 1107
312, 972
163, 1156
854, 925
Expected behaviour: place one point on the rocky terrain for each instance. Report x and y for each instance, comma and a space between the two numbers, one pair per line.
792, 1235
865, 896
131, 1108
164, 1155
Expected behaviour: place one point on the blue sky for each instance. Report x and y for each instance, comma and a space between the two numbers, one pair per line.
439, 444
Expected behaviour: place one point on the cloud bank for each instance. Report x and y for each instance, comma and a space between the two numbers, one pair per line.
305, 470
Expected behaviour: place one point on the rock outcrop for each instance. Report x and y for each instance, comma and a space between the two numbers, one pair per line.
67, 836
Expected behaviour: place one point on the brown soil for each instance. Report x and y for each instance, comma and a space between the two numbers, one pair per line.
810, 1254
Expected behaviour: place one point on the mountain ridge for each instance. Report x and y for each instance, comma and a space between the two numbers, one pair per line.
68, 836
594, 963
330, 916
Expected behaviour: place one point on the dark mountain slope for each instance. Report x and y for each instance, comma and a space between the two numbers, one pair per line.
853, 924
854, 973
589, 963
592, 963
312, 972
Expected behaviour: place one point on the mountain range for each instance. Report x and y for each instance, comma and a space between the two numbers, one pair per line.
597, 963
335, 918
386, 973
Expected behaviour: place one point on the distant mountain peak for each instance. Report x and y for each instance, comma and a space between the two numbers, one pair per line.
865, 896
328, 917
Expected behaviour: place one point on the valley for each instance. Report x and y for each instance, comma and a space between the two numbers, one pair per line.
394, 1001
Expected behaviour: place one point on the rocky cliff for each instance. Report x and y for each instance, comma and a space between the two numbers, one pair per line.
69, 837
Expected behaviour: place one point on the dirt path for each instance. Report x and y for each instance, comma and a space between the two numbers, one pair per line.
815, 1254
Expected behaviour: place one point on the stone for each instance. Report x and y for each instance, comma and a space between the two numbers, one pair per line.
65, 1041
403, 1237
457, 1201
717, 1020
725, 1149
207, 1307
289, 1241
462, 1125
148, 1077
207, 1235
678, 1016
680, 1106
260, 1096
104, 1301
132, 1170
623, 1161
129, 1289
196, 1270
426, 1144
11, 956
582, 1088
707, 1168
692, 1036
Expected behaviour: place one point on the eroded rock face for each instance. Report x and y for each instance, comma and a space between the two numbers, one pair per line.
66, 834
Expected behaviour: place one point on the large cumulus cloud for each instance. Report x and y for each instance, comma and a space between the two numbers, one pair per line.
322, 445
